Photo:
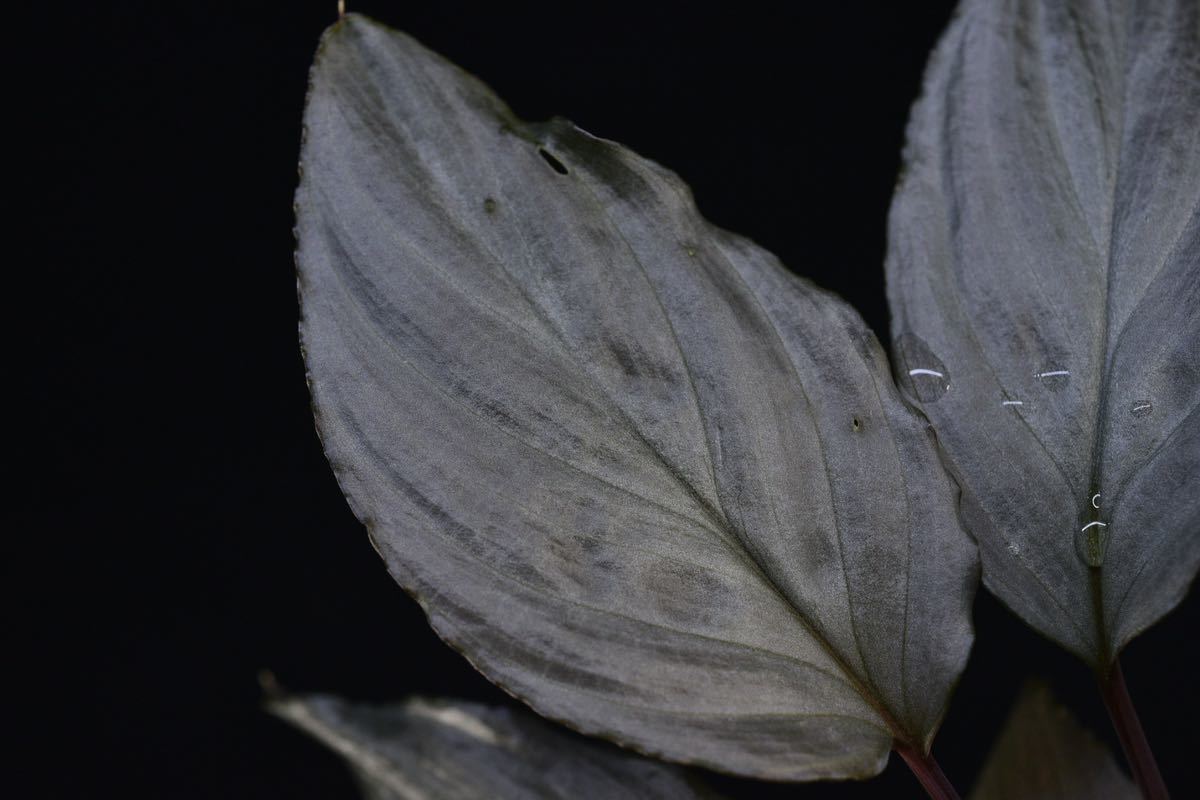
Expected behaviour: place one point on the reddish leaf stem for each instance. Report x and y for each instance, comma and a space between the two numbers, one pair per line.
1129, 731
925, 767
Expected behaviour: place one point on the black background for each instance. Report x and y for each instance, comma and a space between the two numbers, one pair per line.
172, 526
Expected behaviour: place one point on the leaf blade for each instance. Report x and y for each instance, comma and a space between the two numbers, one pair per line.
1043, 247
423, 748
1044, 753
642, 477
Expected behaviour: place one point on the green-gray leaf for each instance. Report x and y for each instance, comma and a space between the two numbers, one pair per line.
1044, 280
643, 477
1044, 754
451, 750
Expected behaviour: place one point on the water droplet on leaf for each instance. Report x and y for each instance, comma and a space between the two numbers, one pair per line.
922, 374
1054, 378
1091, 543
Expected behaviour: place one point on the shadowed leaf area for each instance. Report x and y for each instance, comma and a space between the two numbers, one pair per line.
1044, 754
425, 749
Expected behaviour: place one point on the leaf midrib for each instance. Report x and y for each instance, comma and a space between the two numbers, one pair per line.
868, 691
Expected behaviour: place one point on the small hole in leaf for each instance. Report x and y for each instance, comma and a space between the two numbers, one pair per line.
489, 205
856, 424
554, 163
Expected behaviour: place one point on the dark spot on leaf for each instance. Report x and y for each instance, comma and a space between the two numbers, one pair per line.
856, 424
530, 575
489, 205
554, 163
602, 160
489, 407
686, 594
440, 517
637, 363
464, 617
543, 657
624, 357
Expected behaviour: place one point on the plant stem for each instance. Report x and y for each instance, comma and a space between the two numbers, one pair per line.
925, 767
1133, 738
1129, 731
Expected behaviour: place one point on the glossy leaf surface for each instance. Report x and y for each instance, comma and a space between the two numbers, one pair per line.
642, 476
445, 750
1044, 280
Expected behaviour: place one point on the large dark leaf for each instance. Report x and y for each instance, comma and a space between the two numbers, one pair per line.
1044, 754
1044, 279
446, 750
643, 477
